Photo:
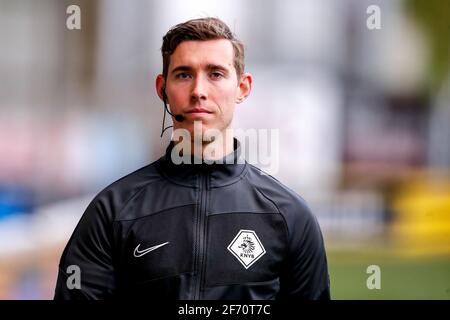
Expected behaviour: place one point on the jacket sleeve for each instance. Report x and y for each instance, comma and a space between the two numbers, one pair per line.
86, 268
305, 272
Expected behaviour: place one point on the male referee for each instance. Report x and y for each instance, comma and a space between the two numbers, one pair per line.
211, 227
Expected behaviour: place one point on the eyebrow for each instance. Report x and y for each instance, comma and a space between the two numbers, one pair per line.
210, 66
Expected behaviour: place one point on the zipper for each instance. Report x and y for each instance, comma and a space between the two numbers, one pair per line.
201, 229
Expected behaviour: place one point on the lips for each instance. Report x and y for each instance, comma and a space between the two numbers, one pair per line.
198, 110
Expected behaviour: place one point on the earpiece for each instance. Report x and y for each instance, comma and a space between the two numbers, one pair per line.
163, 93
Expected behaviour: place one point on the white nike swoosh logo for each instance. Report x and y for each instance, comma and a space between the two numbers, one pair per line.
138, 253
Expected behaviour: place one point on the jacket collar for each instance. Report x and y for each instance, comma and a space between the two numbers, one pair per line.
231, 169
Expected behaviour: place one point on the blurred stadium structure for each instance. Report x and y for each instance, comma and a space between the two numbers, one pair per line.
364, 119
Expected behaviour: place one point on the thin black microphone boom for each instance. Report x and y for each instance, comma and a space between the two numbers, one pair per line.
178, 117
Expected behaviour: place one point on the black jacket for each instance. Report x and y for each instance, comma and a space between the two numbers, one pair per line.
196, 231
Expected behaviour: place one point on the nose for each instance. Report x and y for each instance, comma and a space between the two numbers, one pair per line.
198, 90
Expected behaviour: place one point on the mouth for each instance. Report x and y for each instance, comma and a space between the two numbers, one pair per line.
198, 111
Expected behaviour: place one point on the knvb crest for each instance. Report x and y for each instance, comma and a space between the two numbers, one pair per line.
247, 248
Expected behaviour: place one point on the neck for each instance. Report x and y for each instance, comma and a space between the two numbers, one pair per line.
210, 149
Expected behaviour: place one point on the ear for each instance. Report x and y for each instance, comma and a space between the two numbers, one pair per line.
160, 86
244, 87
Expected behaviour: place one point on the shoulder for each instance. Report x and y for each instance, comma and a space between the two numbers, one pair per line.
289, 203
115, 196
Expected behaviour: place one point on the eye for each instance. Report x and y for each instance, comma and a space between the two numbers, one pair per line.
216, 75
182, 75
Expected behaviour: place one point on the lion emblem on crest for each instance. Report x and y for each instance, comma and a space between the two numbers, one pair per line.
247, 245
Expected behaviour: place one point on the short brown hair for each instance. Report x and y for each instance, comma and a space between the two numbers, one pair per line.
201, 29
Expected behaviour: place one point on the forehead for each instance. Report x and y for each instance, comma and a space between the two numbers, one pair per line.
201, 53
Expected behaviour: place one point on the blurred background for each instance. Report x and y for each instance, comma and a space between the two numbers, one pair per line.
363, 117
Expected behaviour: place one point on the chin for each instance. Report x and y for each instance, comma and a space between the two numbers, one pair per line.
206, 132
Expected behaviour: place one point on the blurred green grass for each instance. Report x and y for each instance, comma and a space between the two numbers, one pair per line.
402, 278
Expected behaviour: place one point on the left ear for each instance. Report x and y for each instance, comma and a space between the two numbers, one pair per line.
244, 87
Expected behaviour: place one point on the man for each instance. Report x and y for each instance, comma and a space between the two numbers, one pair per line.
211, 227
